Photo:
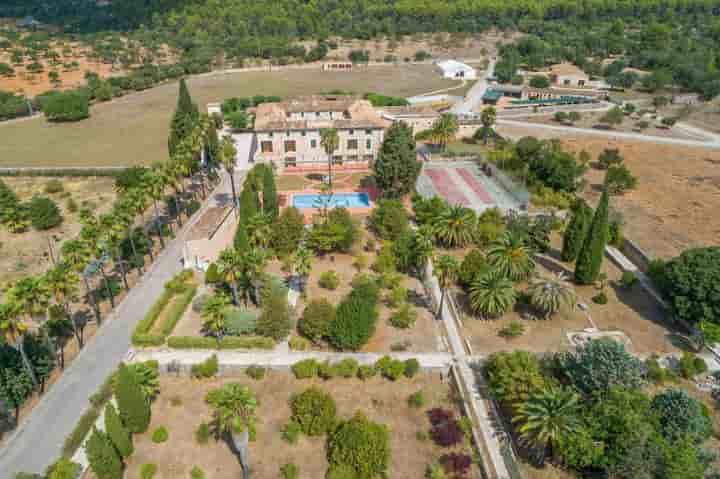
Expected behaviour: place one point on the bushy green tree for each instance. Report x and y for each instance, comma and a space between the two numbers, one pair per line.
576, 230
63, 468
591, 253
355, 318
288, 231
116, 431
104, 459
316, 319
361, 445
396, 168
69, 106
44, 214
275, 320
602, 364
681, 416
513, 376
133, 406
389, 219
314, 410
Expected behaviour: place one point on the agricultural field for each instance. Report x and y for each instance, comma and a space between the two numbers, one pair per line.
133, 130
676, 198
27, 253
181, 409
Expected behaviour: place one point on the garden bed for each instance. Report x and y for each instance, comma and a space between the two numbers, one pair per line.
181, 409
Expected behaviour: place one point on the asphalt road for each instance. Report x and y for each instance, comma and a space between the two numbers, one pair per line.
39, 439
473, 98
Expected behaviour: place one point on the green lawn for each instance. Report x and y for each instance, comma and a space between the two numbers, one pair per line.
133, 130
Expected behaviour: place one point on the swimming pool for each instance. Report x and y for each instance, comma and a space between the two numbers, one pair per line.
345, 200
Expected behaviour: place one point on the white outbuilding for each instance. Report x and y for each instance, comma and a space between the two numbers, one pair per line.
456, 69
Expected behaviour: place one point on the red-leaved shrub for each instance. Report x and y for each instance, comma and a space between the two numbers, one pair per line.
456, 464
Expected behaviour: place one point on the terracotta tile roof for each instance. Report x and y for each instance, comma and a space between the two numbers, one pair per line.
565, 69
357, 113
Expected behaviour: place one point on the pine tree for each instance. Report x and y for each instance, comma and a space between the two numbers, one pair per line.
576, 230
133, 406
270, 196
591, 254
396, 168
186, 114
104, 459
117, 432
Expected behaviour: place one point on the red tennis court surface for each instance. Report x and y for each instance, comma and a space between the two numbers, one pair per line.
446, 187
473, 183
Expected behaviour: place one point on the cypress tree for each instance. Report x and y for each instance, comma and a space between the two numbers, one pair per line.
104, 459
249, 202
591, 254
133, 406
576, 230
186, 114
117, 432
270, 197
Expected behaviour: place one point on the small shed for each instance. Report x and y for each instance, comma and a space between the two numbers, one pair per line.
456, 70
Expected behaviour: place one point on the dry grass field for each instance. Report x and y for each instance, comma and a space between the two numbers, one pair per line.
677, 200
27, 253
381, 400
133, 130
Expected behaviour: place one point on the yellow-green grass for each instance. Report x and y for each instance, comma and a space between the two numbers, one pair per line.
133, 130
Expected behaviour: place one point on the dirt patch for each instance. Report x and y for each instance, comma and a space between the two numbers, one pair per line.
382, 401
678, 194
28, 252
631, 311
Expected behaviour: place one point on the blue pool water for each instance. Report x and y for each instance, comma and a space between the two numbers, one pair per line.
345, 200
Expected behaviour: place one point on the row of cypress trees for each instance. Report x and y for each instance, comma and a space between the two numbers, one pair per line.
585, 238
106, 450
259, 183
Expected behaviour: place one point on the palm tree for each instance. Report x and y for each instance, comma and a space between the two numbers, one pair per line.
254, 262
492, 295
455, 226
59, 331
510, 257
213, 315
13, 330
260, 230
444, 129
112, 228
76, 255
230, 267
234, 408
330, 142
303, 266
62, 283
487, 117
549, 295
548, 416
227, 158
154, 184
424, 246
446, 270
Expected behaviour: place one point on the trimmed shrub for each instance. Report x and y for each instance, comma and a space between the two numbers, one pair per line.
291, 432
133, 406
456, 464
314, 411
691, 365
197, 473
412, 367
361, 445
239, 321
681, 416
104, 460
290, 471
600, 298
305, 369
366, 371
355, 319
44, 213
390, 368
228, 342
256, 372
202, 433
69, 106
63, 468
205, 369
54, 186
211, 275
297, 343
416, 400
329, 280
445, 429
116, 431
160, 435
326, 370
148, 471
316, 319
347, 368
274, 321
404, 317
601, 364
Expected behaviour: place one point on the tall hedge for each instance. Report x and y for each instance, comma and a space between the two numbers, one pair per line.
355, 319
133, 406
576, 230
117, 432
104, 459
591, 254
